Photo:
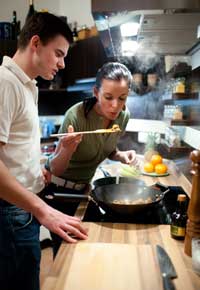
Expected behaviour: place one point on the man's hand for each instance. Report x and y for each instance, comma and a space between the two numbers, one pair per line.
67, 227
46, 174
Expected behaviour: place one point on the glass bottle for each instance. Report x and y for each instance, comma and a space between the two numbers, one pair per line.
179, 218
75, 32
14, 25
31, 10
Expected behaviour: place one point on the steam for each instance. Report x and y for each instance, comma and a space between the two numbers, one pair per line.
144, 59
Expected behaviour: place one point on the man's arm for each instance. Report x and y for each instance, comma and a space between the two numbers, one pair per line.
63, 225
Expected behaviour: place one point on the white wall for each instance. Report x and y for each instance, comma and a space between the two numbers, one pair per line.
75, 10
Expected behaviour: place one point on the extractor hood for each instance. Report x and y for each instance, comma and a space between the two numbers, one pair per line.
166, 27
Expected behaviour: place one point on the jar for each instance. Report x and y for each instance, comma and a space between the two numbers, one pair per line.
178, 114
180, 86
152, 80
137, 79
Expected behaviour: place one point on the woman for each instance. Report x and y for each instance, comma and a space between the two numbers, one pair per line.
74, 163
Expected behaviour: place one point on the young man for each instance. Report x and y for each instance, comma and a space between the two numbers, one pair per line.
42, 47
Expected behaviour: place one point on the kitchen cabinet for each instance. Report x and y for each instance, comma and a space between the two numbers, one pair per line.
84, 59
7, 47
56, 102
122, 248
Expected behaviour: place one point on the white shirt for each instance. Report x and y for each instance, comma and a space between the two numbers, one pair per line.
19, 125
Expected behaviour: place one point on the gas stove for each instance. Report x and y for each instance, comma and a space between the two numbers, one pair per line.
159, 214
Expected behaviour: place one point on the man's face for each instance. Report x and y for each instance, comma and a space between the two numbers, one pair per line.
49, 58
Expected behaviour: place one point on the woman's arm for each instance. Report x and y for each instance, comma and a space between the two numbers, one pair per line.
67, 145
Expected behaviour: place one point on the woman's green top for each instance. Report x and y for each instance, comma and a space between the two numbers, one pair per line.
94, 148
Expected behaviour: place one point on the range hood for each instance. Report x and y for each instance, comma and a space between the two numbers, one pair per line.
166, 27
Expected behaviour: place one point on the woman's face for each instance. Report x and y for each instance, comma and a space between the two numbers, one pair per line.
111, 98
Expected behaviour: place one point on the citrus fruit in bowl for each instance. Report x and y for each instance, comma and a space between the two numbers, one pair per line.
148, 167
156, 159
160, 168
156, 166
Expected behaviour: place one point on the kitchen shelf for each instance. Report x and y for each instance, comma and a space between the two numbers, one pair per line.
183, 96
184, 122
174, 152
181, 69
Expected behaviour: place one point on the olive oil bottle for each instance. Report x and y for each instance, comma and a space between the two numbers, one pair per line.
179, 218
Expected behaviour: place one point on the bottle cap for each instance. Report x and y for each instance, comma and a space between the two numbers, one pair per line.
181, 197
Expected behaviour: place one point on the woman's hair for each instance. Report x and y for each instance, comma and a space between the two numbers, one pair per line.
46, 26
110, 71
113, 71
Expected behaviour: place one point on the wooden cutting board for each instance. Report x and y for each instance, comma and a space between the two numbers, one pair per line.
102, 266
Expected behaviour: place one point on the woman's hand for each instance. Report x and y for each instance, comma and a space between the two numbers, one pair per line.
66, 147
126, 157
70, 142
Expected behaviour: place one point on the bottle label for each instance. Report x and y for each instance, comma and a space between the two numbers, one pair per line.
177, 231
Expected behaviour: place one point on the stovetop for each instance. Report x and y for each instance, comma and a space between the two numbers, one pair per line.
159, 214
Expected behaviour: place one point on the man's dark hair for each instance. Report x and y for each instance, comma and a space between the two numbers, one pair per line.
46, 26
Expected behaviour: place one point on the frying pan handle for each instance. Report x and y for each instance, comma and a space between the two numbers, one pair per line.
105, 172
161, 186
67, 196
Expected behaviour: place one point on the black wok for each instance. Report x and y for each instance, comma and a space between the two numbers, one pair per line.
132, 194
128, 197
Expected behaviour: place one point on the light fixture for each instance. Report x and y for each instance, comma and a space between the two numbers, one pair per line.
129, 29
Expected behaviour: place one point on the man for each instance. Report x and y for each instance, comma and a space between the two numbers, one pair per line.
42, 47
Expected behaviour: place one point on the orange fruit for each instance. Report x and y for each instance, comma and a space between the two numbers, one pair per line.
148, 167
161, 168
156, 159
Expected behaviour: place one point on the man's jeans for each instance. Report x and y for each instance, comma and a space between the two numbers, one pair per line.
19, 249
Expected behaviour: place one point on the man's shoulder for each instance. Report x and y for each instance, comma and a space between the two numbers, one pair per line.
7, 76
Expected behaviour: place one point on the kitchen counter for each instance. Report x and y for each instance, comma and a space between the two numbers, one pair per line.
120, 255
190, 135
